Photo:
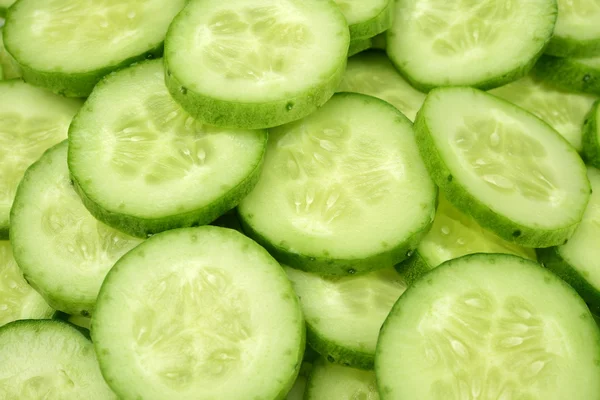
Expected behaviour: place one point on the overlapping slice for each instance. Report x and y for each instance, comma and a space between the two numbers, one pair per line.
4, 4
572, 74
8, 65
577, 32
591, 136
367, 18
334, 381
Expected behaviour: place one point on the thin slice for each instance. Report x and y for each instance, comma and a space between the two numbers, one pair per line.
503, 166
485, 43
337, 382
343, 191
18, 300
88, 38
564, 111
577, 31
572, 74
143, 165
344, 314
49, 359
591, 136
31, 121
367, 18
9, 66
489, 327
63, 251
198, 313
255, 64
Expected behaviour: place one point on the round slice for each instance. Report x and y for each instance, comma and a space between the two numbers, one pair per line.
255, 64
336, 382
198, 313
63, 251
49, 359
577, 31
372, 73
18, 300
573, 74
344, 314
343, 191
367, 18
489, 327
564, 111
31, 121
143, 165
591, 136
89, 39
485, 43
503, 166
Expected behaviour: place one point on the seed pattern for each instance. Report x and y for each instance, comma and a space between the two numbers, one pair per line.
45, 385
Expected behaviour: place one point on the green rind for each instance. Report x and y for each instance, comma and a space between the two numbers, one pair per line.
338, 354
413, 268
591, 134
374, 26
568, 74
568, 47
358, 45
64, 317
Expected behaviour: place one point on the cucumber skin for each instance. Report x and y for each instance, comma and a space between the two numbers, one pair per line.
356, 46
566, 47
338, 354
568, 74
64, 317
591, 146
460, 197
553, 261
379, 23
413, 268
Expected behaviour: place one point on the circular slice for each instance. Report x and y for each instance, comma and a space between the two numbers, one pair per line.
591, 136
255, 64
343, 191
572, 74
367, 18
143, 165
489, 327
49, 359
334, 381
503, 166
577, 31
483, 43
344, 314
88, 38
195, 314
63, 251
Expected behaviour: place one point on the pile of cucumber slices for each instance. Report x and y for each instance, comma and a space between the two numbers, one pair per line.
299, 199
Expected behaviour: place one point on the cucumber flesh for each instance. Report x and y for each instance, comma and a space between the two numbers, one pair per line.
333, 381
9, 66
577, 32
591, 136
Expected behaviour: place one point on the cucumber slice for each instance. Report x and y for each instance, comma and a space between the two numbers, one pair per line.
31, 120
9, 66
132, 144
255, 64
297, 392
578, 261
564, 111
18, 300
4, 5
485, 43
367, 18
454, 235
573, 74
353, 163
591, 136
190, 314
372, 73
503, 166
89, 39
356, 46
577, 31
336, 382
48, 359
79, 322
63, 251
344, 314
489, 327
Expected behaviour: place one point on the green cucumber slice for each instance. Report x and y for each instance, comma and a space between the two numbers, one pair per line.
18, 300
344, 314
89, 39
591, 136
297, 391
372, 73
190, 314
578, 261
132, 143
255, 64
31, 120
489, 327
562, 110
9, 66
577, 32
79, 322
503, 166
63, 251
573, 74
454, 235
359, 45
484, 44
367, 18
353, 163
337, 382
4, 5
48, 359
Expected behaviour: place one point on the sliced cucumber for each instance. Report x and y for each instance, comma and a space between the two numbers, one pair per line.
4, 5
454, 235
485, 43
48, 359
336, 382
372, 73
578, 260
503, 166
359, 45
574, 74
489, 327
255, 64
89, 39
79, 322
132, 144
297, 391
367, 18
591, 136
18, 300
191, 314
8, 65
343, 191
564, 111
344, 314
31, 120
577, 31
63, 251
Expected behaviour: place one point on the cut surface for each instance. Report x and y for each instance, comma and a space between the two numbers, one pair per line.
577, 22
333, 381
489, 327
366, 18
